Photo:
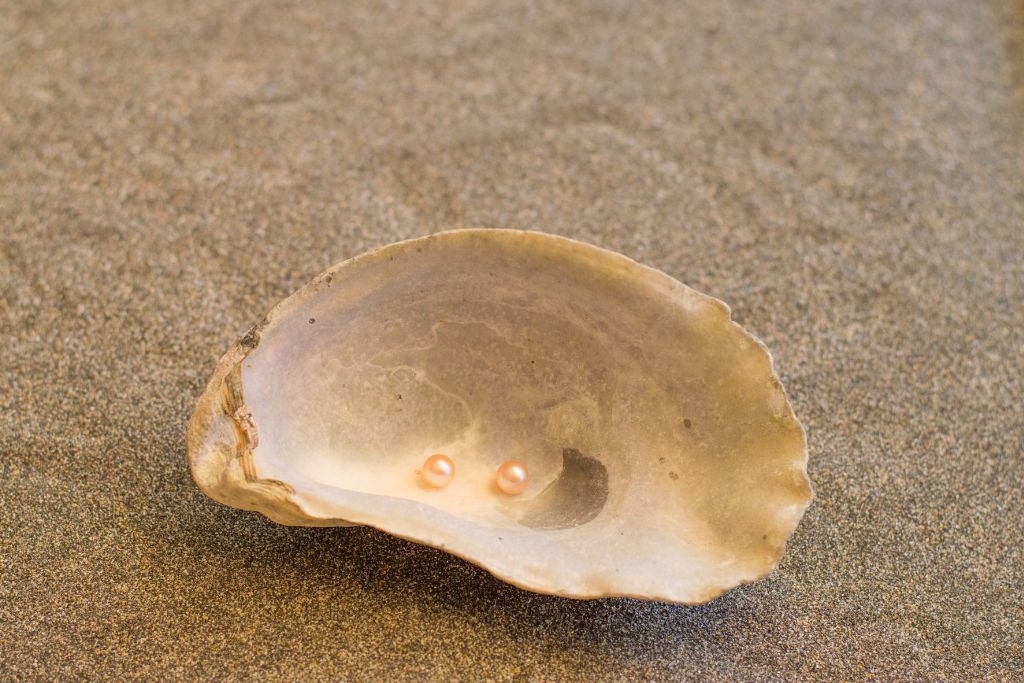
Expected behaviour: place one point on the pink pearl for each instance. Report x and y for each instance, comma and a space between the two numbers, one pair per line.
438, 470
512, 477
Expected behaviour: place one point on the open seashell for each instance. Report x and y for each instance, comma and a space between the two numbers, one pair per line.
664, 458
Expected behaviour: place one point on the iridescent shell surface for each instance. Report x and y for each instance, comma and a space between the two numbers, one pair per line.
665, 461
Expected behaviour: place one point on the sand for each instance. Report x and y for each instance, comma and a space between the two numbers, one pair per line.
848, 176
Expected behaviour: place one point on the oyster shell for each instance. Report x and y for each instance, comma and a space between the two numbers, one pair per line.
665, 460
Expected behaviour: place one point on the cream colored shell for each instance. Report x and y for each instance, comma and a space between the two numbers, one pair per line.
665, 459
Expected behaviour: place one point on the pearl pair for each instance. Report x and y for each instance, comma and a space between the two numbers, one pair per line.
511, 476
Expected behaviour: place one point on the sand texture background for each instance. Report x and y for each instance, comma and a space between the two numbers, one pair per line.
849, 176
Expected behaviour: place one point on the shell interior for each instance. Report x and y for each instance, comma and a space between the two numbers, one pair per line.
665, 460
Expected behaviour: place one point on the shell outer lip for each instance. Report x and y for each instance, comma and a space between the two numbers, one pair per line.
236, 485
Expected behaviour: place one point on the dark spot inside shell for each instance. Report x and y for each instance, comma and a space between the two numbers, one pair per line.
577, 496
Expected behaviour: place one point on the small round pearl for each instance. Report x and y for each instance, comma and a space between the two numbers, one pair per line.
512, 477
438, 470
